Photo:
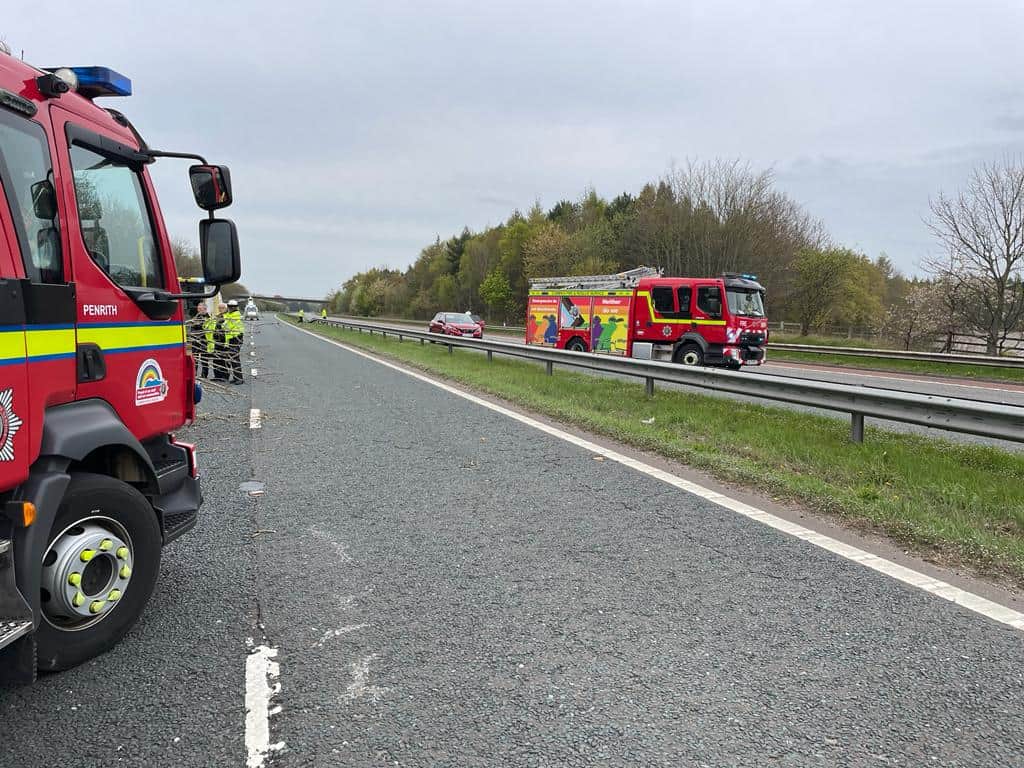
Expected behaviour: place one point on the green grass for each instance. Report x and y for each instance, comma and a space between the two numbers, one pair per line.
922, 367
951, 502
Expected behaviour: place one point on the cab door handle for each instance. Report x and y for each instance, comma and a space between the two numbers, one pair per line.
91, 364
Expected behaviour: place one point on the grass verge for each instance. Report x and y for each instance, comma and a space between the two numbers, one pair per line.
922, 367
953, 503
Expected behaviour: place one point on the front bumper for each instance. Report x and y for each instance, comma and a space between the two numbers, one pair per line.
745, 355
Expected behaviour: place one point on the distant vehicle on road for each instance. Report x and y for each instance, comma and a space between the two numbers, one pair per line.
455, 324
252, 312
638, 313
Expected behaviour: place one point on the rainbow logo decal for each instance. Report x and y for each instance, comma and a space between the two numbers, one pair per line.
150, 385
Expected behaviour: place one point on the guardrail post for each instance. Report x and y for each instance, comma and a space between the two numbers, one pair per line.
490, 355
399, 338
450, 347
649, 386
857, 427
422, 342
548, 367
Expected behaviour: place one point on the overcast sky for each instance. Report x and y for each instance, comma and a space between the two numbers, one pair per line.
356, 132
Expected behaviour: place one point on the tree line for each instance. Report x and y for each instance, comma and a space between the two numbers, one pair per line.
706, 218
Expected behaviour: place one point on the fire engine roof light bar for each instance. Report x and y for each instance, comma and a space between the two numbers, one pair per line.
91, 82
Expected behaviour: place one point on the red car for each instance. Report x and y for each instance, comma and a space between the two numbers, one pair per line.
455, 324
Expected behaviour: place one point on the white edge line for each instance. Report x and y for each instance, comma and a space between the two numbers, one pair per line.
261, 673
946, 591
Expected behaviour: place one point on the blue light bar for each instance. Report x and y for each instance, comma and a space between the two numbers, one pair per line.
101, 81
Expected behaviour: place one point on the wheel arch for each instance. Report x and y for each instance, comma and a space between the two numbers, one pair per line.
691, 338
89, 435
581, 339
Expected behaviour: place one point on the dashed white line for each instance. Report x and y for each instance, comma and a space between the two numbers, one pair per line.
261, 684
937, 587
254, 372
255, 418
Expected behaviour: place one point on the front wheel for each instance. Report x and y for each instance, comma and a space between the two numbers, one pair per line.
689, 354
98, 571
576, 345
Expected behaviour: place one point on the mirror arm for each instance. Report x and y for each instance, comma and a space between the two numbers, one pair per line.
181, 296
155, 153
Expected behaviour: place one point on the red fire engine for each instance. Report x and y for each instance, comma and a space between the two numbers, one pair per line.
95, 373
639, 313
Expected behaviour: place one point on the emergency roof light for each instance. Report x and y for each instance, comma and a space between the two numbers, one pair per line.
97, 81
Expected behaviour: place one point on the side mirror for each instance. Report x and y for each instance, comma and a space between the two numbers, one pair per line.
44, 200
218, 247
211, 186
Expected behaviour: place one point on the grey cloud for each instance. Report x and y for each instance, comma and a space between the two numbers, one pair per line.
358, 131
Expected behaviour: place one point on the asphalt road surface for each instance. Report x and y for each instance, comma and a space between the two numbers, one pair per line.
993, 392
441, 585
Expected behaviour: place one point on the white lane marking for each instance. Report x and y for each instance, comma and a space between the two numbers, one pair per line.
935, 381
255, 418
909, 576
253, 372
261, 684
330, 634
359, 688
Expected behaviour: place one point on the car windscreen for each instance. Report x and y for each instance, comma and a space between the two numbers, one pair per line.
458, 318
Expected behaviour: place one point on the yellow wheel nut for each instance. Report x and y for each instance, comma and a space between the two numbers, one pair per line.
74, 579
122, 553
115, 594
106, 544
125, 572
87, 555
96, 606
78, 600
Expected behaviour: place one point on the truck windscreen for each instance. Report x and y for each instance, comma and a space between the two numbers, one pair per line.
745, 303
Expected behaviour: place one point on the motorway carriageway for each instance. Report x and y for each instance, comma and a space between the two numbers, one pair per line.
388, 571
991, 392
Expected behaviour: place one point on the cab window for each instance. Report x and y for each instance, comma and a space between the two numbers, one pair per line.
684, 292
709, 300
26, 174
663, 300
115, 221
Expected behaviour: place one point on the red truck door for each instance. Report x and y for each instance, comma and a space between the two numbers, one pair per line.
37, 337
14, 454
117, 245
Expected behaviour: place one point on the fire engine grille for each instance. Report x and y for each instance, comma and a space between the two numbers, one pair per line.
752, 338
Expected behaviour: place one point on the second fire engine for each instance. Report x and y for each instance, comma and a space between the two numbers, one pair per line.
640, 313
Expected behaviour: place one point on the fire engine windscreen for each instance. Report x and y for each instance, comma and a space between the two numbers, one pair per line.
745, 303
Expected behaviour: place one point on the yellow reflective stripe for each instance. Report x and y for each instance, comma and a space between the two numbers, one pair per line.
12, 345
573, 292
675, 320
49, 343
118, 338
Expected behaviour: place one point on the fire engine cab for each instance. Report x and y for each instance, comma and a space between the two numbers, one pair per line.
95, 374
640, 313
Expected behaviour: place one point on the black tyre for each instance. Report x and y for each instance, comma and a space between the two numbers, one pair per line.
689, 354
98, 571
732, 365
576, 345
